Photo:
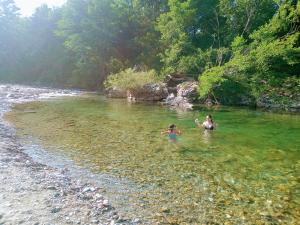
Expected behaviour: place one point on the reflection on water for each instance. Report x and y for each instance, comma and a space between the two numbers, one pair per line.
206, 136
244, 172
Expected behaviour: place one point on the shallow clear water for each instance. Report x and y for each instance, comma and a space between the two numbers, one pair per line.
245, 171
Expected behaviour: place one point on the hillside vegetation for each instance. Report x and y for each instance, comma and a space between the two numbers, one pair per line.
245, 52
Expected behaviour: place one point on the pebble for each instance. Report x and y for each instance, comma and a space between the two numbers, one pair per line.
121, 219
165, 210
136, 220
95, 221
88, 197
228, 216
115, 217
98, 196
51, 188
105, 202
88, 189
55, 210
62, 202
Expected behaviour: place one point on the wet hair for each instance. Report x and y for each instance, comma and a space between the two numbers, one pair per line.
210, 117
172, 127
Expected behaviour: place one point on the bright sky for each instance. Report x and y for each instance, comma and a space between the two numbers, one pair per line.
27, 7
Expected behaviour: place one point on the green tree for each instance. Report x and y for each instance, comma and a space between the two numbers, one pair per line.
89, 31
138, 40
196, 34
267, 64
9, 45
46, 61
244, 16
176, 26
108, 36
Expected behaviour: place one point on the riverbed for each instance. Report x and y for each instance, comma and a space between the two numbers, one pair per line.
38, 187
244, 172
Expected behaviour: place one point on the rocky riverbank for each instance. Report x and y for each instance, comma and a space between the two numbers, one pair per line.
177, 91
34, 193
181, 92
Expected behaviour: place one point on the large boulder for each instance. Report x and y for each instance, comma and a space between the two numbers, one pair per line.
178, 102
149, 92
172, 80
188, 90
271, 102
295, 107
116, 93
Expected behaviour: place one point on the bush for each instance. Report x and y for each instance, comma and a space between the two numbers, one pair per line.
131, 79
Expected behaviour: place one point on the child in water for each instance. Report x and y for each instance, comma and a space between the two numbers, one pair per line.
172, 132
208, 124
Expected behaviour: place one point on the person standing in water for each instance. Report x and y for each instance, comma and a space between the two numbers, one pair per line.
172, 132
208, 124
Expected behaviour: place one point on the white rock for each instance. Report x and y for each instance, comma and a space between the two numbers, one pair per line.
87, 189
136, 220
105, 202
98, 196
228, 216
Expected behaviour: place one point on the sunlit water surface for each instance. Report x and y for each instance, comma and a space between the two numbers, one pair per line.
244, 172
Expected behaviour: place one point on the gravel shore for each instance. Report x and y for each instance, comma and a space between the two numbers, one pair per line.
33, 193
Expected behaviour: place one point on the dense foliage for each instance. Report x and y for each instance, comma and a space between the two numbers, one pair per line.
131, 79
242, 50
266, 64
29, 49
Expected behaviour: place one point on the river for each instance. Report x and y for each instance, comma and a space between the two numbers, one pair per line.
244, 172
40, 187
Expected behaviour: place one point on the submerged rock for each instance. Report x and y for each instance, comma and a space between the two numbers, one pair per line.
55, 210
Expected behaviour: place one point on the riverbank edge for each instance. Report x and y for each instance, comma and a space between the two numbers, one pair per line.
186, 103
182, 92
55, 195
189, 100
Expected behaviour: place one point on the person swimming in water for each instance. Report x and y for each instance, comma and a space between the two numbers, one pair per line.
172, 132
208, 124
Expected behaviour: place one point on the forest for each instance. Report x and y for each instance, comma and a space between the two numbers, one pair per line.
240, 51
